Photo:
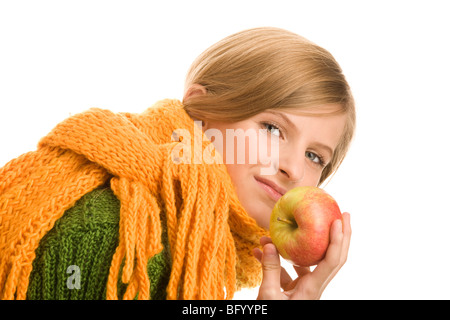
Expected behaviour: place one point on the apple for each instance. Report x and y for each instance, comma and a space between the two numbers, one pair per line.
300, 224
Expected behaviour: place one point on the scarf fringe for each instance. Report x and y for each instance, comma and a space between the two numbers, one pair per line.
197, 202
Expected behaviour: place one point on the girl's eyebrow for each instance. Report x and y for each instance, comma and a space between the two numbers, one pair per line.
286, 119
326, 148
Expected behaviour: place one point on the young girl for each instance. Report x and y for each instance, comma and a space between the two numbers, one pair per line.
157, 205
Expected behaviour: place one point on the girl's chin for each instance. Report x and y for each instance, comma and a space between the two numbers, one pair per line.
261, 214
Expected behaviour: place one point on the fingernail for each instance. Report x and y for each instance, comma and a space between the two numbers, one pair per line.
270, 249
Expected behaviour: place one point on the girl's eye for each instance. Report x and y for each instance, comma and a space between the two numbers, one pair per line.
315, 158
272, 129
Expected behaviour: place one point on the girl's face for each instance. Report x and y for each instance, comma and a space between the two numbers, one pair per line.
305, 146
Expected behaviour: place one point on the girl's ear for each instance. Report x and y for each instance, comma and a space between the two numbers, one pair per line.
194, 90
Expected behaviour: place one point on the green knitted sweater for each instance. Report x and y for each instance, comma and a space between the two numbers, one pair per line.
73, 259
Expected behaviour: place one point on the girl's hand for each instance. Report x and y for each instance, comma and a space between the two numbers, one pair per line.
277, 284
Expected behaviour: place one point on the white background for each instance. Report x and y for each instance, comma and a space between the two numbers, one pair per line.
58, 58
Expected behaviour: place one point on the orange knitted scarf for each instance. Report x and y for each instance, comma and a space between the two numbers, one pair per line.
210, 234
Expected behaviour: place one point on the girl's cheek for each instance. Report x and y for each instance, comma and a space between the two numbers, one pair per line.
268, 153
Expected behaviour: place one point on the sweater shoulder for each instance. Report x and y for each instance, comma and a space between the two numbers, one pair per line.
97, 209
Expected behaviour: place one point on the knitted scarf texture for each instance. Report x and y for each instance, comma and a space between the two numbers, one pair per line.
210, 235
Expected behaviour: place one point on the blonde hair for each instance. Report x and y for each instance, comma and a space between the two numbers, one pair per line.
269, 68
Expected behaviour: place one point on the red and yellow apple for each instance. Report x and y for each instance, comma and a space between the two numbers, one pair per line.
300, 224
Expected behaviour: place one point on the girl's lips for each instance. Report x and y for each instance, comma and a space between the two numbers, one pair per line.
271, 192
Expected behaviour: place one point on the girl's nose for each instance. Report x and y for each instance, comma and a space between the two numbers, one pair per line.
292, 167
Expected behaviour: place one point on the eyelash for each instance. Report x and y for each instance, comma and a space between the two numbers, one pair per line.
271, 124
266, 125
321, 162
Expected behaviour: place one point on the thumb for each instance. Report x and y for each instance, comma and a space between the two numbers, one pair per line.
271, 268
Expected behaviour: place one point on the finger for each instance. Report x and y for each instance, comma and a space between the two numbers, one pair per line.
257, 253
347, 230
301, 271
265, 240
285, 279
271, 268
